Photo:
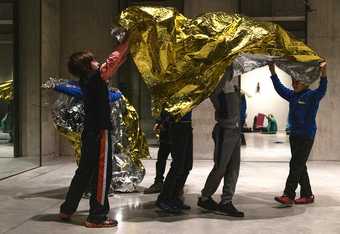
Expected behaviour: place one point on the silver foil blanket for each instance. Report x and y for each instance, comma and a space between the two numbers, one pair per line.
307, 72
68, 118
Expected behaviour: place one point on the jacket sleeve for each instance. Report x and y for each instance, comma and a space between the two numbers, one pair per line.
114, 61
320, 92
115, 96
69, 90
214, 96
281, 89
215, 100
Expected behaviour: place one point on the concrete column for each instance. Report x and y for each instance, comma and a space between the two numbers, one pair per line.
29, 73
85, 25
324, 37
6, 58
203, 115
50, 62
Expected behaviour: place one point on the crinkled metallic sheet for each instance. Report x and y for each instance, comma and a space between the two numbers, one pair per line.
182, 60
6, 91
307, 72
128, 141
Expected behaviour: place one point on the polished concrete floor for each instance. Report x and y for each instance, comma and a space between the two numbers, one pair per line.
6, 148
11, 166
266, 147
29, 203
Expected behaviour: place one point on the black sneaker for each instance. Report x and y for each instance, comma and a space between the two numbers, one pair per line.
168, 207
179, 203
230, 210
208, 204
154, 188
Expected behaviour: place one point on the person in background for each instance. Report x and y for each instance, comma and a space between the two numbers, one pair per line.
303, 108
243, 116
271, 126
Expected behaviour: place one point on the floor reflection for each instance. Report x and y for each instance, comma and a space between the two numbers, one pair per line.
266, 147
255, 206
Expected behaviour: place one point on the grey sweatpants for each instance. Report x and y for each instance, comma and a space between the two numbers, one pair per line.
227, 163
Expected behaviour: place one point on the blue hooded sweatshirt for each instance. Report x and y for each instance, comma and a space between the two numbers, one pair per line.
303, 107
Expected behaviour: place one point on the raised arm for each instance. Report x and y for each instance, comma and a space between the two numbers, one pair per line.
214, 97
70, 90
114, 61
320, 92
278, 86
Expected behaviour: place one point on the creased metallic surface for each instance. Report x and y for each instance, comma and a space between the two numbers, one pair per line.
128, 141
182, 60
307, 72
6, 91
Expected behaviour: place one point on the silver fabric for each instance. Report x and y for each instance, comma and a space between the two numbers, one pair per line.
68, 118
306, 72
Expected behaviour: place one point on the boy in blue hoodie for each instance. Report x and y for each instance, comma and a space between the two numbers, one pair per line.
303, 107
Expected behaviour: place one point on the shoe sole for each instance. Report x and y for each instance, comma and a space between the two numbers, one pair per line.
205, 208
169, 211
172, 212
64, 217
95, 225
307, 203
228, 214
282, 203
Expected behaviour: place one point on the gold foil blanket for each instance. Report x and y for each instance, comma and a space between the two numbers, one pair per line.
181, 60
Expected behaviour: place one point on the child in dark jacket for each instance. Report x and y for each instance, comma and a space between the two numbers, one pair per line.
303, 107
95, 166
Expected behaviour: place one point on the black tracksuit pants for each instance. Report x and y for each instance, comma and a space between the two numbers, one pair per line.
95, 167
300, 149
163, 154
180, 137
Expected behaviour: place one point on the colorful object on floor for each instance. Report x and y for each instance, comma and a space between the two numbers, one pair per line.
271, 125
182, 60
128, 141
259, 122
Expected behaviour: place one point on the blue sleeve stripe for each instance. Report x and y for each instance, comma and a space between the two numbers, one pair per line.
73, 91
115, 96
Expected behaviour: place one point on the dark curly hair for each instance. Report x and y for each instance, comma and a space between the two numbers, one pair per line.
79, 63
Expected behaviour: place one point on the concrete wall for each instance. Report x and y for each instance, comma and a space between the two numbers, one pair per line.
50, 62
85, 25
6, 71
196, 7
203, 115
29, 78
324, 37
6, 58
